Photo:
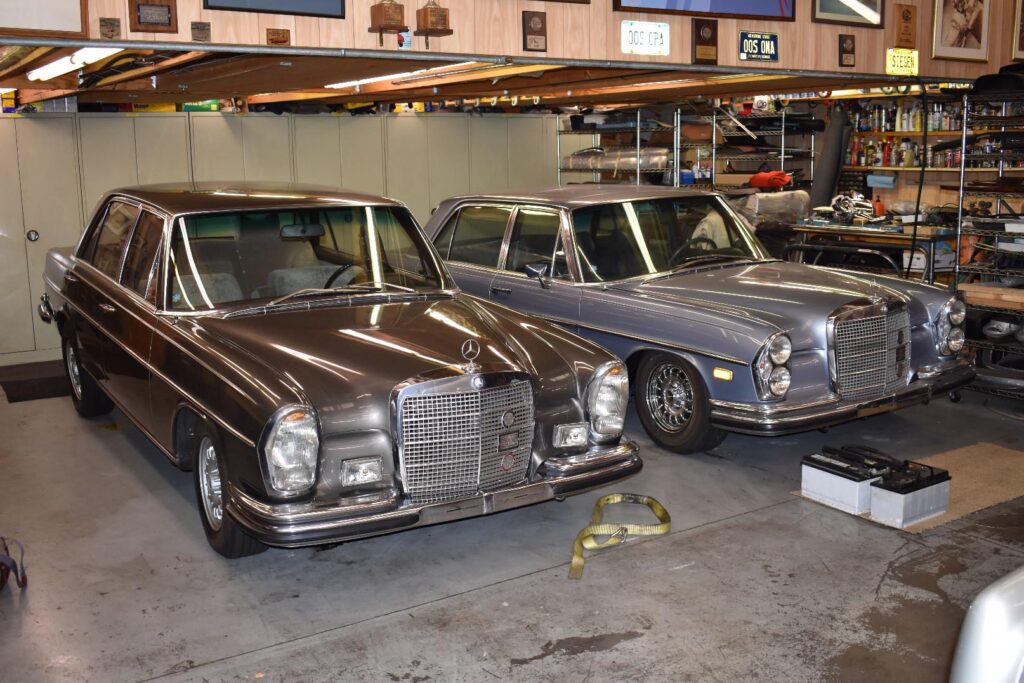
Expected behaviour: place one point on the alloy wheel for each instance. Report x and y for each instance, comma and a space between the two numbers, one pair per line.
669, 397
210, 484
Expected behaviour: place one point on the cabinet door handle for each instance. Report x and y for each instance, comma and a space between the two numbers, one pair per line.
107, 308
501, 291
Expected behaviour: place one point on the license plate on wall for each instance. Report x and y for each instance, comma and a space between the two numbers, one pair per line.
645, 38
759, 47
901, 62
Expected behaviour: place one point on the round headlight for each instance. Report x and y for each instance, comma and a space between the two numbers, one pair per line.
955, 340
607, 399
291, 451
957, 312
778, 382
780, 349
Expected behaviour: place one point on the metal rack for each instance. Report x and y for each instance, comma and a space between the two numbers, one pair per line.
779, 132
673, 167
990, 236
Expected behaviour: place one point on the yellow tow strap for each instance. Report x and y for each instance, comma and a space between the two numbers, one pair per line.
616, 533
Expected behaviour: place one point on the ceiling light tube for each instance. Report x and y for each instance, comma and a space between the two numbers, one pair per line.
433, 71
64, 65
6, 91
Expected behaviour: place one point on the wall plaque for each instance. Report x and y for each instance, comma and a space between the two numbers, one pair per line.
153, 16
847, 50
279, 36
201, 31
110, 28
906, 26
535, 31
387, 16
705, 41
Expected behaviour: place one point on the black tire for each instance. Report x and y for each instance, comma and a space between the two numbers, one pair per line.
86, 395
224, 534
677, 416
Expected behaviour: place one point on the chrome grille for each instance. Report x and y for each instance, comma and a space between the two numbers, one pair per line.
872, 353
450, 439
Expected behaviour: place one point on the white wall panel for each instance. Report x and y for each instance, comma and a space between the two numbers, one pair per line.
318, 150
408, 163
488, 153
15, 295
162, 146
527, 166
266, 148
362, 153
448, 152
108, 156
217, 147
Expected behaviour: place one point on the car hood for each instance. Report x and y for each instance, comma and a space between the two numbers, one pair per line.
792, 297
349, 359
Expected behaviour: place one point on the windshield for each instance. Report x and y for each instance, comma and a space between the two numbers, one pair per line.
629, 239
224, 258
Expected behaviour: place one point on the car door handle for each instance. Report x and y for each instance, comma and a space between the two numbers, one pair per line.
107, 308
501, 291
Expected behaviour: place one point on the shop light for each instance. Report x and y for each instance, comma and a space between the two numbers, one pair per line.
439, 71
85, 56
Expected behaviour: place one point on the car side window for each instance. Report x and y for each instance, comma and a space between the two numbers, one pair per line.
140, 263
479, 233
105, 254
534, 237
443, 241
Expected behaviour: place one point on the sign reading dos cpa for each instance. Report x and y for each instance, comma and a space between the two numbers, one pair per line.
759, 47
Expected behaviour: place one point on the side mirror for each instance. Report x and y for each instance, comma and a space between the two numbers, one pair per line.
302, 231
539, 271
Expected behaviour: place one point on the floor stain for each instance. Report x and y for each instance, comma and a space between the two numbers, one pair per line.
578, 645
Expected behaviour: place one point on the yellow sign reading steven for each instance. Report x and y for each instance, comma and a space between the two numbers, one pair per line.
900, 62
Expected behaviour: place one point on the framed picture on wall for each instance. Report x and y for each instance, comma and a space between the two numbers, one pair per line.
57, 18
1018, 33
334, 9
865, 13
778, 10
961, 30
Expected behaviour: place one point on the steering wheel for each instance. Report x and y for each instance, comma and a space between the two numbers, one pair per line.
334, 276
693, 241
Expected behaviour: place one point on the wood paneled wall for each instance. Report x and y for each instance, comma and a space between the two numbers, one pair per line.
583, 32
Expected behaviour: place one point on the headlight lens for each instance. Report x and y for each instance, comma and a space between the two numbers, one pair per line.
778, 382
957, 312
607, 398
955, 340
291, 451
780, 349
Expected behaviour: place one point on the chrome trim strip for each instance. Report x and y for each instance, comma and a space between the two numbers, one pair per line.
594, 457
199, 404
663, 344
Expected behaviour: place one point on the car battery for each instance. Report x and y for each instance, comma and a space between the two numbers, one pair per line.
908, 494
842, 477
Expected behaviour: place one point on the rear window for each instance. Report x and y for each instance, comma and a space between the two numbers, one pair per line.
475, 235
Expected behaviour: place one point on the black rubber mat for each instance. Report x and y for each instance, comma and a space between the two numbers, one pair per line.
33, 381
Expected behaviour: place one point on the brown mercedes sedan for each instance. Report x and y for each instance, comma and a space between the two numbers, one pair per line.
308, 356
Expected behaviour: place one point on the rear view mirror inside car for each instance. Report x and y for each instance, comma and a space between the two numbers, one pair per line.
299, 230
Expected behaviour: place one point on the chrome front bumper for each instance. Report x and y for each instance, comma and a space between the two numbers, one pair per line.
293, 525
775, 420
45, 309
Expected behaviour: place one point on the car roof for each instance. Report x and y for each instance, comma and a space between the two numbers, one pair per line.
583, 195
176, 198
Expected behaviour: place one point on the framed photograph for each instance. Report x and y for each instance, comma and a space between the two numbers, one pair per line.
776, 10
153, 16
1018, 33
865, 13
961, 30
56, 18
333, 9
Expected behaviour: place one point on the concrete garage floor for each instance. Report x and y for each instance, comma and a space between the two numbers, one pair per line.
753, 583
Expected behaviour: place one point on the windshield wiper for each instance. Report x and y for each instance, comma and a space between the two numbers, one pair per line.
700, 261
313, 291
378, 287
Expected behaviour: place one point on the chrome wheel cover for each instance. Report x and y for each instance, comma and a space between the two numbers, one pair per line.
74, 374
669, 398
209, 484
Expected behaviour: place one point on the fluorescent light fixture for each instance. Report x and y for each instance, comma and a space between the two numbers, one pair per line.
64, 65
437, 70
5, 91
